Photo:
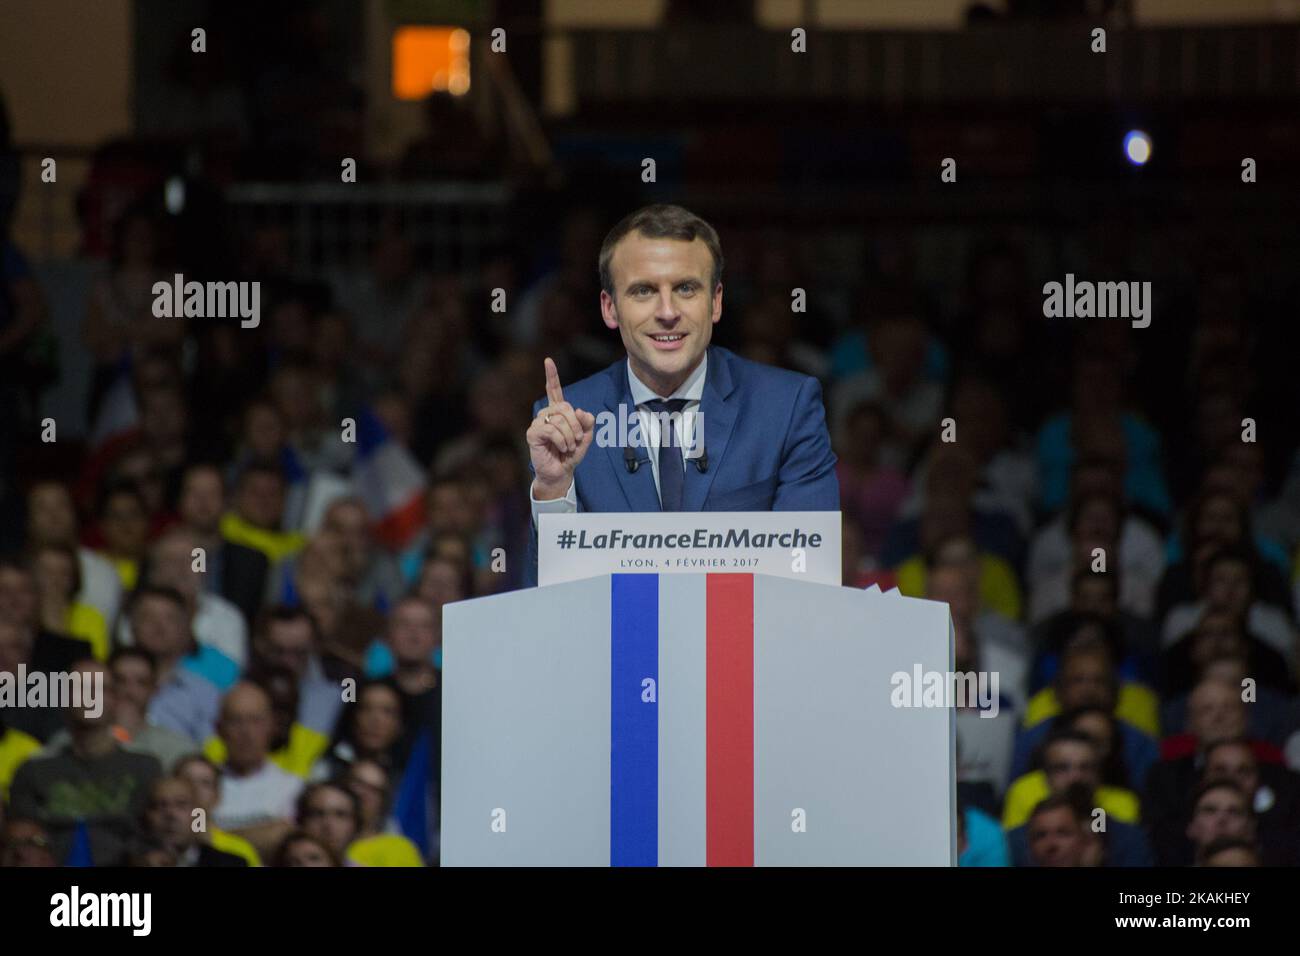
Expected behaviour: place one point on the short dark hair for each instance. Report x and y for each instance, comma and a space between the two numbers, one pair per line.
1057, 801
1063, 734
195, 467
1075, 644
1236, 741
261, 466
312, 789
1220, 783
69, 552
1233, 554
661, 221
284, 614
124, 651
115, 488
204, 759
154, 590
280, 856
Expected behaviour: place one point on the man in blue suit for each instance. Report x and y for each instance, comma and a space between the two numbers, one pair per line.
710, 431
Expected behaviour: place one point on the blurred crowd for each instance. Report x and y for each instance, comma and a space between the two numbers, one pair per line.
253, 543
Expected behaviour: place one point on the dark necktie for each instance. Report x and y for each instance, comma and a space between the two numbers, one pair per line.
672, 474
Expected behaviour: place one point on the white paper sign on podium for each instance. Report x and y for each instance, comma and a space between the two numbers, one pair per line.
804, 545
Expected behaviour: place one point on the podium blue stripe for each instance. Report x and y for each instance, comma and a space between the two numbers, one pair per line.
634, 723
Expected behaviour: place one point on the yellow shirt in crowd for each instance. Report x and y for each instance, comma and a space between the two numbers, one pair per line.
15, 748
998, 588
385, 849
276, 545
1136, 705
86, 623
304, 748
1026, 792
229, 843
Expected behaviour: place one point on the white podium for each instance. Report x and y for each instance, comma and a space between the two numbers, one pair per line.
722, 719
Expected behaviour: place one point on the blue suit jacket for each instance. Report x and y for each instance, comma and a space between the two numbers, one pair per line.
764, 434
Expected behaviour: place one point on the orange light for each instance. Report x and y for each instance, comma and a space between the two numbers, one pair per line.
430, 60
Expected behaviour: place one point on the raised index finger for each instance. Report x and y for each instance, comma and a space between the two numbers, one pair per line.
554, 393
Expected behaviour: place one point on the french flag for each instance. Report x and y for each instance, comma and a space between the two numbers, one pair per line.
692, 720
118, 415
389, 481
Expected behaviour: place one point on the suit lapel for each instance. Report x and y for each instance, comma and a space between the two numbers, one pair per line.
719, 412
638, 489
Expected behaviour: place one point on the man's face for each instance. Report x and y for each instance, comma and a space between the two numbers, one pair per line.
56, 574
1094, 595
306, 853
173, 565
1217, 636
328, 817
17, 596
1098, 728
1056, 838
1085, 681
87, 674
202, 500
369, 784
125, 525
1068, 762
261, 500
441, 582
1227, 587
1217, 521
951, 585
246, 726
1220, 813
447, 511
133, 679
287, 644
348, 521
263, 430
1215, 712
378, 719
663, 306
162, 415
413, 632
203, 783
160, 627
50, 518
168, 814
1234, 762
15, 646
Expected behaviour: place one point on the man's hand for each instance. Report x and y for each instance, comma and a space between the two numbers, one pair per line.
558, 440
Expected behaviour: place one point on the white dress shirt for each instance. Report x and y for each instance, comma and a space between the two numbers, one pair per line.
692, 390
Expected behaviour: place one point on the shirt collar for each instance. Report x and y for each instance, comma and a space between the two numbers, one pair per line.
692, 389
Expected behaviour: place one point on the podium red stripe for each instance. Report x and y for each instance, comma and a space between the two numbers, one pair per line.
729, 720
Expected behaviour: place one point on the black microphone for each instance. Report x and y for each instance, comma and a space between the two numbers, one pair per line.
631, 461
